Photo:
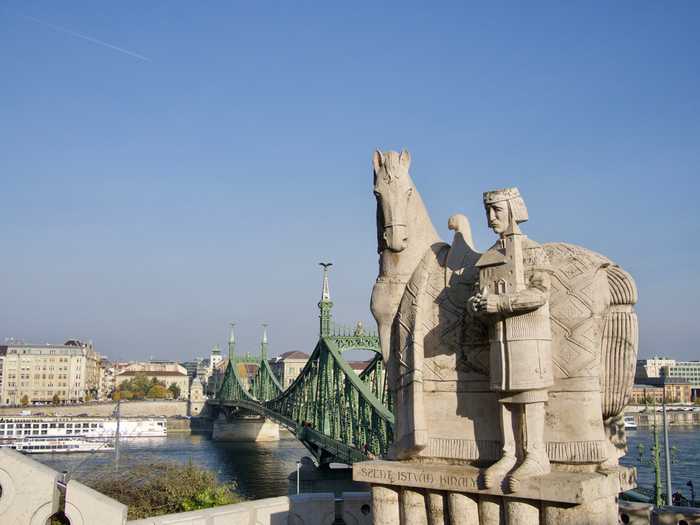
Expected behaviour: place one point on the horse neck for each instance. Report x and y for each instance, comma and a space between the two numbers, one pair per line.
421, 236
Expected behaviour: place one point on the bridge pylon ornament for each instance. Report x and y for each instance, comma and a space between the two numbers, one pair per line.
508, 370
325, 305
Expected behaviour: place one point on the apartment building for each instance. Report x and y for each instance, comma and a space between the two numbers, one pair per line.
288, 366
31, 373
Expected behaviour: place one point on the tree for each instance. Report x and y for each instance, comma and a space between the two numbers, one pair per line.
25, 400
157, 392
174, 390
56, 400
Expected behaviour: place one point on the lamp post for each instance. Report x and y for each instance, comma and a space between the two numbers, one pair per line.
667, 455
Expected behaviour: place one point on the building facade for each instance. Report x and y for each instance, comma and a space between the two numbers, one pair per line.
288, 366
67, 373
652, 371
651, 368
164, 371
672, 390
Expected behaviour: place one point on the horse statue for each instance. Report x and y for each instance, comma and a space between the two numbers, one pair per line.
437, 355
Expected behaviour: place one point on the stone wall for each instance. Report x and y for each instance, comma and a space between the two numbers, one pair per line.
167, 408
31, 492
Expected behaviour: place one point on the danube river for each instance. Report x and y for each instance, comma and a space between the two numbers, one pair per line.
260, 470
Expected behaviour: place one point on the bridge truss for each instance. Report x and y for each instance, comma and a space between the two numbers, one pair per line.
338, 415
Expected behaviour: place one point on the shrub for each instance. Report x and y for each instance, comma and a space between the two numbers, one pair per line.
164, 488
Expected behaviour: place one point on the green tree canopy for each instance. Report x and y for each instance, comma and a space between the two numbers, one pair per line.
174, 390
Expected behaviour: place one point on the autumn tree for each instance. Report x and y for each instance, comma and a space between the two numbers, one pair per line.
174, 390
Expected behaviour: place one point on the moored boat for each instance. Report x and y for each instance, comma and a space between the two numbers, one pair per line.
12, 428
59, 445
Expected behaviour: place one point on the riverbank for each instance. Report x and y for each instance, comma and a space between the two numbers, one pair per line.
644, 416
143, 408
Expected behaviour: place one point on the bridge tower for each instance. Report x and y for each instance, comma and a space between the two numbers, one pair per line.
231, 344
263, 343
325, 305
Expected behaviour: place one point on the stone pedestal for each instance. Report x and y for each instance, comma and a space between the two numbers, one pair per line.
245, 430
409, 493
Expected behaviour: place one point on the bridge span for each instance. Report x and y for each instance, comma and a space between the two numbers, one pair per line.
337, 414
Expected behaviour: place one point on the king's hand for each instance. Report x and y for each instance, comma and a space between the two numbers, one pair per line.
483, 304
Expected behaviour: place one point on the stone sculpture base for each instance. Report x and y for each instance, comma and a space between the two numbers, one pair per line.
409, 493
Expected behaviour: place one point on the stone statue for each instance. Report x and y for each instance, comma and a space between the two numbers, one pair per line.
513, 296
404, 233
456, 363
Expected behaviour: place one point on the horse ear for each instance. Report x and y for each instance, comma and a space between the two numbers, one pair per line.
405, 158
377, 160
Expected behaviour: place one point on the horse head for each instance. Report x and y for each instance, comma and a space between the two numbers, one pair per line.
393, 189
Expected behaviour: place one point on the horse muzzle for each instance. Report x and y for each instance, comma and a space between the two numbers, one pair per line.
396, 237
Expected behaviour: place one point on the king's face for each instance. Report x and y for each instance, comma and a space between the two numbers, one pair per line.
497, 216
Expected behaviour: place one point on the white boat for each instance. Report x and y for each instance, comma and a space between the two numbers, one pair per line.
12, 428
59, 445
630, 423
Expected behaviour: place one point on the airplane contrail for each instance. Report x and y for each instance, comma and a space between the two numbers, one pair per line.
88, 38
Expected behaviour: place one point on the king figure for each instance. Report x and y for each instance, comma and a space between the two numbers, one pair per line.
513, 300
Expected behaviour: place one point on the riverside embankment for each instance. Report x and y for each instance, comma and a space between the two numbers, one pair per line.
146, 408
174, 411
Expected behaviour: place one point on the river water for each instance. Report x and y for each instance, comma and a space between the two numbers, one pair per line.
260, 470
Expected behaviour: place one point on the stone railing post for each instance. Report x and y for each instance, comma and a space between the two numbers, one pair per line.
85, 506
30, 492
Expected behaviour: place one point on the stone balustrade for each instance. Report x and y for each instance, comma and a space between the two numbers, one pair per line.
30, 493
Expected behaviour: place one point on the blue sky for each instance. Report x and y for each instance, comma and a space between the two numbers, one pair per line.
150, 199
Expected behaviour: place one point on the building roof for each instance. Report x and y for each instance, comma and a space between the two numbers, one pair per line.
359, 366
153, 373
294, 354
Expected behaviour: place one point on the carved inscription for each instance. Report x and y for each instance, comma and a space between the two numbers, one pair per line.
416, 478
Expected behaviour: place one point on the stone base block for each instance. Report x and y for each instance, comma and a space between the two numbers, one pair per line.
407, 493
561, 487
246, 430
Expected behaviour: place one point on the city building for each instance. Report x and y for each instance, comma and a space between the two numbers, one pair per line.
651, 368
108, 374
165, 371
214, 358
359, 366
67, 373
198, 367
672, 390
288, 366
650, 371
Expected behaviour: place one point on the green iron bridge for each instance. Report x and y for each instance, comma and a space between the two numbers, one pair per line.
338, 415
